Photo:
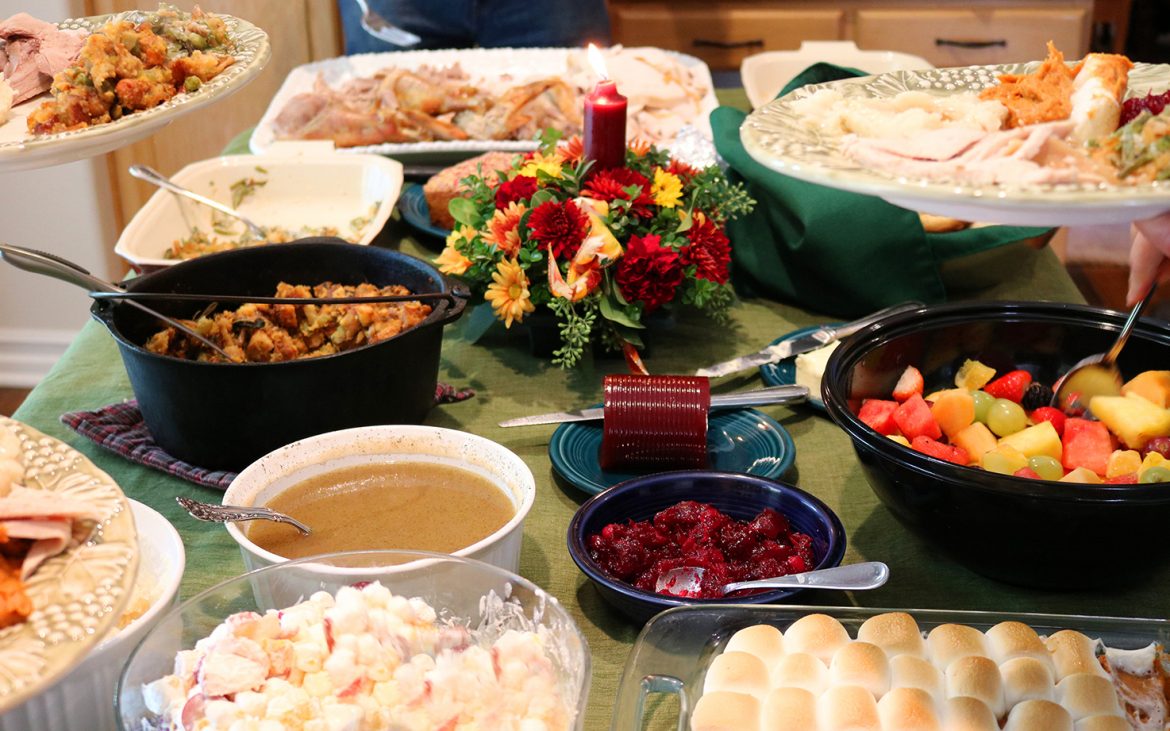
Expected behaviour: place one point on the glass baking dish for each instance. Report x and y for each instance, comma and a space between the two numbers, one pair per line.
664, 673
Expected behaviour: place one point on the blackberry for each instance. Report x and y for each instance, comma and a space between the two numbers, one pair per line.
1035, 396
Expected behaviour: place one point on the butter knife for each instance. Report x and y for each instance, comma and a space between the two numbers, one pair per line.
801, 344
757, 397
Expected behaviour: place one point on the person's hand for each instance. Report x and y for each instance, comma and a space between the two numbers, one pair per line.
1149, 256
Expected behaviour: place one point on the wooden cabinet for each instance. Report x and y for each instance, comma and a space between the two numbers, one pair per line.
946, 33
722, 34
971, 36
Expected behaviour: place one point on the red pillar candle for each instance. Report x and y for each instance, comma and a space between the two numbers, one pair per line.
605, 124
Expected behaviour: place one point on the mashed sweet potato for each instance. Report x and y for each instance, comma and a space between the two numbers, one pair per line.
1042, 96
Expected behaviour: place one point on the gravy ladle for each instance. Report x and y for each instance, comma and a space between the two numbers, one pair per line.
39, 262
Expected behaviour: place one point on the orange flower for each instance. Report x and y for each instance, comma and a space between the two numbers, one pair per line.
572, 149
503, 229
598, 250
508, 293
640, 147
451, 260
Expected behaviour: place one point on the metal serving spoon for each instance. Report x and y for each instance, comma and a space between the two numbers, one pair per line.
39, 262
1097, 374
685, 580
379, 27
213, 513
154, 177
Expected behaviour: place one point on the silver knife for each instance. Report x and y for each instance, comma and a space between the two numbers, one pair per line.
757, 397
801, 344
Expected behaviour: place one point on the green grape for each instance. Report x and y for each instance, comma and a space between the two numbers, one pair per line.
983, 401
1155, 474
1006, 417
1047, 467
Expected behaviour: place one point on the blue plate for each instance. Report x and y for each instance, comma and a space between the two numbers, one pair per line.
784, 372
743, 440
412, 203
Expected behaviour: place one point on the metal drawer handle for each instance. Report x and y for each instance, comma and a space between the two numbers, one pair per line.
708, 43
970, 44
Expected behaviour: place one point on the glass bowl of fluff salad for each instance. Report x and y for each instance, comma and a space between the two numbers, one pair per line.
362, 640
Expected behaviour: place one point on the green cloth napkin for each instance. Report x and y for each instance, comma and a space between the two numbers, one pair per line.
839, 253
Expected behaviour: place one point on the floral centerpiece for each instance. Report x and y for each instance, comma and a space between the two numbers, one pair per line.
601, 249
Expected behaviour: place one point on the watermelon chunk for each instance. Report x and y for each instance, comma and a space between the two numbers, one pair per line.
914, 419
938, 450
1086, 444
878, 414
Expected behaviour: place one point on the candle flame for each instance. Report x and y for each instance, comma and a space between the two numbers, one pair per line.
597, 61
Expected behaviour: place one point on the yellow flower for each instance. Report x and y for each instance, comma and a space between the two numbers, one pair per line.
508, 292
667, 188
451, 260
551, 165
503, 228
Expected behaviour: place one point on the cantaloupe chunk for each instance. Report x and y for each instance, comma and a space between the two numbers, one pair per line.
1133, 418
954, 410
1154, 386
1034, 441
1082, 474
977, 439
1123, 462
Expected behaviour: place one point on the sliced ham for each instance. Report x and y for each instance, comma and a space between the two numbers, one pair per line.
25, 502
43, 517
34, 52
50, 536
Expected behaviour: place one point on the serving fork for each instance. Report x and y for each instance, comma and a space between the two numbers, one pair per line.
380, 28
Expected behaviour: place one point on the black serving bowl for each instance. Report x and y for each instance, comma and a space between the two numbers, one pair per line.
741, 496
1035, 533
227, 415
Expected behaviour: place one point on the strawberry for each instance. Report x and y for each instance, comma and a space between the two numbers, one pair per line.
1047, 413
1026, 472
1010, 385
909, 383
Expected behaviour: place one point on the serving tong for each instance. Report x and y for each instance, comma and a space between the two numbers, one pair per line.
154, 177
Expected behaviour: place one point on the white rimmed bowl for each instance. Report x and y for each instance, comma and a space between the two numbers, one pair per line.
301, 191
82, 698
281, 469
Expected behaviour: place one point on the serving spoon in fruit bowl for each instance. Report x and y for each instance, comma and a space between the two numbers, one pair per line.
686, 581
1097, 374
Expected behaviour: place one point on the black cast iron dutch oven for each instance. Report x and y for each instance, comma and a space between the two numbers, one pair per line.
226, 415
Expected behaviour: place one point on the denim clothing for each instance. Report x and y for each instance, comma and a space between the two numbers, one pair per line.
486, 23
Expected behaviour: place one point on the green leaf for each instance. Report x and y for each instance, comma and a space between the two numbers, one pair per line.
463, 211
478, 320
633, 337
544, 195
685, 222
549, 138
618, 315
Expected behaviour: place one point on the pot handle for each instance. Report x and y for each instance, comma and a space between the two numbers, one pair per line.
460, 294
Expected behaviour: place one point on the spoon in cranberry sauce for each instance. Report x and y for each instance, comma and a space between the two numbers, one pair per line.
686, 581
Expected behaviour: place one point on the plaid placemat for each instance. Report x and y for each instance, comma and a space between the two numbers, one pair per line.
120, 428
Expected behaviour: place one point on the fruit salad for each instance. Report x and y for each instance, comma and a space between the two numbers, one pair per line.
1003, 422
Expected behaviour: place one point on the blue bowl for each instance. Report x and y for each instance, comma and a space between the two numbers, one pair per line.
740, 496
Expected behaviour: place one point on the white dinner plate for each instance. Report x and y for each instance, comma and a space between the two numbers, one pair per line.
22, 150
494, 65
781, 138
77, 595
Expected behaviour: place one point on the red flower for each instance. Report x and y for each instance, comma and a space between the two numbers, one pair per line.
517, 190
608, 186
649, 272
560, 226
709, 250
682, 170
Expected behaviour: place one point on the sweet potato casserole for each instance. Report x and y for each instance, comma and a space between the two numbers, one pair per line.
264, 333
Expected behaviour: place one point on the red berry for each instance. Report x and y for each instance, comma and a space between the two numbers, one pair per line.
1027, 472
1161, 445
1047, 413
1010, 385
909, 383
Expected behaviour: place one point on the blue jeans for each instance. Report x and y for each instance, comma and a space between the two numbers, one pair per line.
486, 23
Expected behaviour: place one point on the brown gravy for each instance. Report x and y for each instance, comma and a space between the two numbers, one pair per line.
424, 506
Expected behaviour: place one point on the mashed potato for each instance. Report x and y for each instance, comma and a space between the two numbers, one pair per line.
903, 116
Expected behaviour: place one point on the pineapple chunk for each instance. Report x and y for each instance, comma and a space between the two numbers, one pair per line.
973, 375
899, 439
1039, 439
1123, 462
1004, 459
1134, 419
1082, 474
1151, 385
977, 439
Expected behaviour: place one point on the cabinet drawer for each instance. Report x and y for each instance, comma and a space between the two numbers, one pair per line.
975, 36
720, 34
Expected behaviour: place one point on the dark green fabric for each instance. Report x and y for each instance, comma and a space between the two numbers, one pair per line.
829, 250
